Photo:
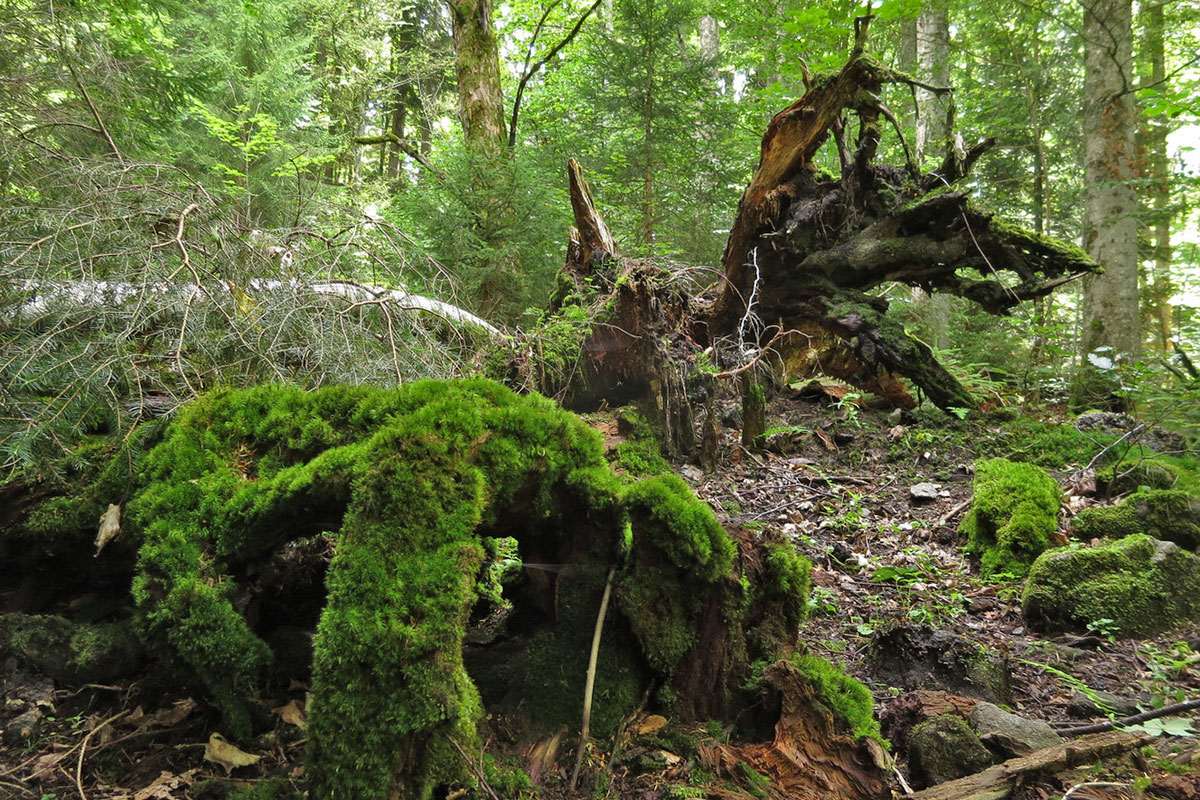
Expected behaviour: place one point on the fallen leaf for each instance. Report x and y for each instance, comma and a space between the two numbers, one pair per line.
292, 714
47, 762
166, 785
168, 717
220, 751
651, 724
110, 526
826, 440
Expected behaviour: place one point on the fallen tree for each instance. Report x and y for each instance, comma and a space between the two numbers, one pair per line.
804, 254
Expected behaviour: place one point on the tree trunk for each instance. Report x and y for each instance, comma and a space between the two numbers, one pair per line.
1156, 130
933, 66
403, 95
477, 66
1111, 325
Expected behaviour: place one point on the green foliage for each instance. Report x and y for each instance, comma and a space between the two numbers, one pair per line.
1013, 515
1143, 586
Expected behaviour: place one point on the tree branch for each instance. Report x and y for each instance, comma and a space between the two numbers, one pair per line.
529, 73
405, 147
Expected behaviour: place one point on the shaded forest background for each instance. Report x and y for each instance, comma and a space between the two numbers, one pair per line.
251, 148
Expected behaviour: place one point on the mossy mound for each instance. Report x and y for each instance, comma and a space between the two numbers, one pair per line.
1167, 514
69, 652
1049, 444
1126, 477
943, 748
416, 482
1142, 466
1143, 585
1013, 515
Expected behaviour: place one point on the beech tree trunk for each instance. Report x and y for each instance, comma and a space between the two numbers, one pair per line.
933, 61
1158, 167
477, 67
1111, 325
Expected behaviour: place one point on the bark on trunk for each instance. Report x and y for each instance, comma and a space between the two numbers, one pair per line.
477, 66
1111, 325
933, 62
1160, 179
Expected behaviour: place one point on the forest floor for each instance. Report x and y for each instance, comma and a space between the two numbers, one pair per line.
837, 480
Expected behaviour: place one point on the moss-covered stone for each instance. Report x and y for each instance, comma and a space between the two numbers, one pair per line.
1013, 515
1167, 514
1048, 444
70, 652
1126, 477
943, 748
1143, 585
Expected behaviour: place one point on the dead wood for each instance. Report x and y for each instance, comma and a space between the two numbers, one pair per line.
995, 783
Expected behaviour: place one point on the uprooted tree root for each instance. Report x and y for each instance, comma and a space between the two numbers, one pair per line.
805, 252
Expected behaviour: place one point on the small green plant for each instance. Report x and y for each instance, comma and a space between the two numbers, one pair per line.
1077, 684
846, 520
1105, 628
1167, 667
848, 408
822, 601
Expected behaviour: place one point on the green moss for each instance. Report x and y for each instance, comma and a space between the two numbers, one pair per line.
270, 789
70, 652
1048, 444
1168, 514
1141, 466
847, 699
789, 577
943, 748
410, 479
784, 592
756, 783
686, 531
641, 458
508, 778
98, 472
1013, 515
1126, 476
1143, 585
